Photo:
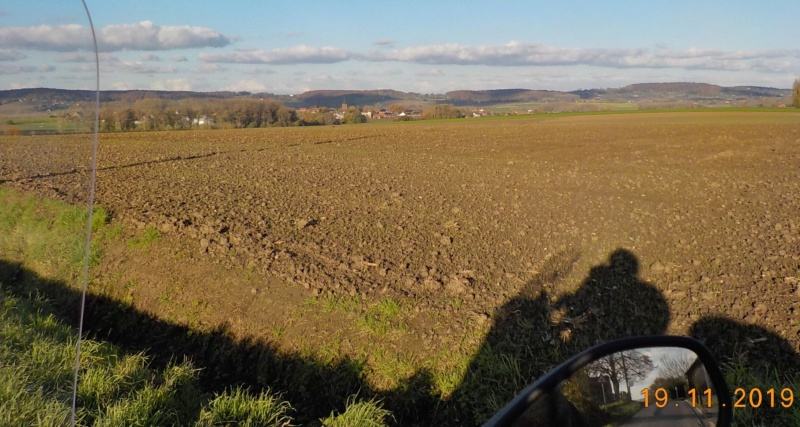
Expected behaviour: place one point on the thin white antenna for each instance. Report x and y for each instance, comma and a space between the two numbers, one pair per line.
87, 249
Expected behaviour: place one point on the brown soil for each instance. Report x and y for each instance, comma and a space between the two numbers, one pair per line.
451, 219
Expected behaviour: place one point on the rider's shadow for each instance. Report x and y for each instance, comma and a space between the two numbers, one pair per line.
753, 358
531, 335
613, 302
749, 347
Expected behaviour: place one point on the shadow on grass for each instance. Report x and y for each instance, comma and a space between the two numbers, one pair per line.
754, 360
531, 334
314, 388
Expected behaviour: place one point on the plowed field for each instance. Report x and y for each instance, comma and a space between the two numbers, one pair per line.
450, 221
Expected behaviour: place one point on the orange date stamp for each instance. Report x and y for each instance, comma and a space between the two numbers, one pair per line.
742, 398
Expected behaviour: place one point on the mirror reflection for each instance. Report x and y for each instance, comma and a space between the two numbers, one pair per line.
648, 386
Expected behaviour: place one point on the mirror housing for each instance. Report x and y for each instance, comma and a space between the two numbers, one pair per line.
543, 388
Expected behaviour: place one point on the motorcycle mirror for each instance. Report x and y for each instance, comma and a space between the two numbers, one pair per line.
647, 381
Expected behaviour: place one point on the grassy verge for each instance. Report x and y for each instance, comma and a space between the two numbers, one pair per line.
759, 382
48, 235
41, 248
621, 411
37, 354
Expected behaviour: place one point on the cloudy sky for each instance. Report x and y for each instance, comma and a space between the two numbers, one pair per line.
430, 47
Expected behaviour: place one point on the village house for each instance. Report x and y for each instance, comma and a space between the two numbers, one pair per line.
201, 121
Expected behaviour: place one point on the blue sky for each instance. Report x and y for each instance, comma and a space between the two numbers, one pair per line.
429, 47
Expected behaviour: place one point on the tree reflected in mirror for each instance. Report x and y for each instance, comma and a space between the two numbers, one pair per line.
648, 386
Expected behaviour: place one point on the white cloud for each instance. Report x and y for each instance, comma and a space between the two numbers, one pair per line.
258, 71
61, 38
84, 57
301, 54
172, 84
144, 36
513, 53
18, 69
770, 65
32, 83
523, 54
246, 85
209, 68
433, 72
11, 55
531, 54
139, 67
121, 86
81, 68
385, 72
149, 57
178, 58
147, 36
75, 57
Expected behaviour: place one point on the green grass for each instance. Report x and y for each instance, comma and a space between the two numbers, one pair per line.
621, 411
48, 234
115, 389
46, 124
341, 304
738, 375
278, 332
388, 369
359, 414
37, 351
238, 408
382, 318
143, 241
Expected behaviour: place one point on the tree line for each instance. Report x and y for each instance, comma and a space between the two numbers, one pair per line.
162, 114
149, 114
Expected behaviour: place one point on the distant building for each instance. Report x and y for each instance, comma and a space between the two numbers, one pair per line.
697, 377
204, 120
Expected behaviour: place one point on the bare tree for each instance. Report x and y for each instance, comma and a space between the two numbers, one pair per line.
626, 367
796, 93
672, 373
675, 366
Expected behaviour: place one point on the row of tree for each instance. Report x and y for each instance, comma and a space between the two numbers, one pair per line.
161, 114
610, 379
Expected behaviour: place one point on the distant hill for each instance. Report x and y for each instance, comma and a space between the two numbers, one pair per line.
321, 98
468, 97
699, 89
68, 95
682, 91
335, 98
636, 93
